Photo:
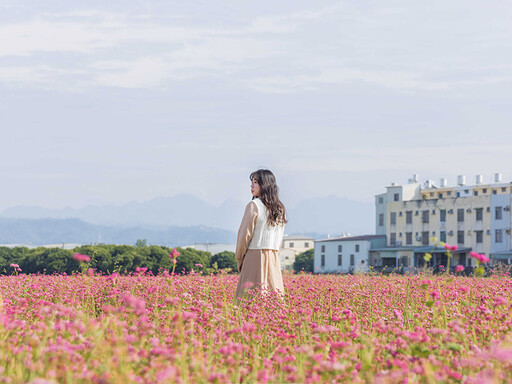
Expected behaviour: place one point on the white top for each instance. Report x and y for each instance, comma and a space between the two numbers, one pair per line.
265, 236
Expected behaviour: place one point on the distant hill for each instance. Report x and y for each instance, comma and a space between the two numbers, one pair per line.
56, 231
324, 215
180, 210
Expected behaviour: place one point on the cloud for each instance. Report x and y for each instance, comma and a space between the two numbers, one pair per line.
290, 52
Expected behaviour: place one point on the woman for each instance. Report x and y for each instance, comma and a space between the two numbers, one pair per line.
260, 236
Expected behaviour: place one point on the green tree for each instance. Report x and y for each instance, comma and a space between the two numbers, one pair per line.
189, 257
141, 243
224, 260
304, 261
48, 260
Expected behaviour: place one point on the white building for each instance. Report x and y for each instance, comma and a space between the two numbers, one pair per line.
345, 254
473, 217
291, 247
213, 248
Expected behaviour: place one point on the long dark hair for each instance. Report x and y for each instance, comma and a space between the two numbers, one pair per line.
270, 196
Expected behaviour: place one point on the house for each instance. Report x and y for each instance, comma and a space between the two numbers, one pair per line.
346, 254
415, 216
291, 247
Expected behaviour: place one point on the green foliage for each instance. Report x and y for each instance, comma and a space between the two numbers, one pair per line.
225, 260
189, 257
141, 243
479, 271
108, 259
304, 261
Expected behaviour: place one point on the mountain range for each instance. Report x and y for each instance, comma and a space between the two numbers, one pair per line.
181, 219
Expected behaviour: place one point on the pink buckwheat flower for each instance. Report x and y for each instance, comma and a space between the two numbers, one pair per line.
459, 268
15, 265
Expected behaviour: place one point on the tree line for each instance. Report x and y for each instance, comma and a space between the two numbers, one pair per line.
112, 258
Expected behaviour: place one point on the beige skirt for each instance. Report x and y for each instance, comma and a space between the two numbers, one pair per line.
260, 268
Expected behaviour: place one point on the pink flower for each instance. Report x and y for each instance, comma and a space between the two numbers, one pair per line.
248, 285
174, 261
459, 268
454, 247
398, 314
480, 257
448, 247
174, 254
81, 258
199, 265
15, 265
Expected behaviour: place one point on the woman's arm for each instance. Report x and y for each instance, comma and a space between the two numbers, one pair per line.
245, 233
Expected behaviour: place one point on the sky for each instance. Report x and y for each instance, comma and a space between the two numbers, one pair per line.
118, 101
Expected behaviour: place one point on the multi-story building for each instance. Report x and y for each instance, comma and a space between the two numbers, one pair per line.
345, 254
473, 217
291, 247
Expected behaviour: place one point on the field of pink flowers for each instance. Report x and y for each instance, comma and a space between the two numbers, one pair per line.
158, 329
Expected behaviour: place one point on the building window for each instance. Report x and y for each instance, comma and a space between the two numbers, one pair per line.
503, 189
475, 193
323, 248
494, 191
424, 216
479, 236
431, 194
408, 238
442, 236
499, 235
397, 197
392, 238
408, 217
442, 215
424, 238
357, 247
462, 259
291, 245
381, 219
460, 215
322, 261
460, 237
306, 245
393, 218
340, 248
498, 213
448, 193
484, 190
457, 194
340, 259
479, 214
352, 260
381, 200
440, 195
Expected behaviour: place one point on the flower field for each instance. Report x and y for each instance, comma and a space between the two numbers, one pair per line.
158, 329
